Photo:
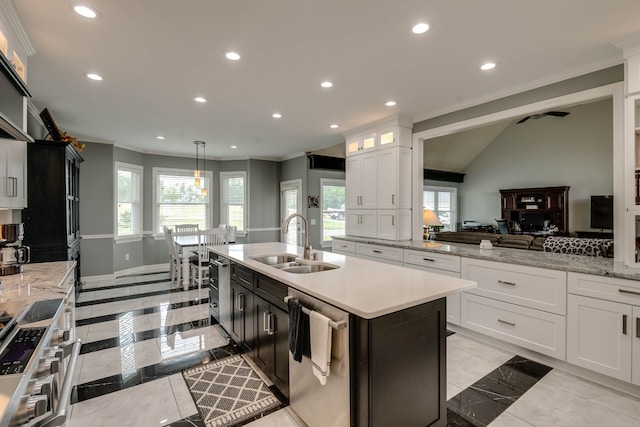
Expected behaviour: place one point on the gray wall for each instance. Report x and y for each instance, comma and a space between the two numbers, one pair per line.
576, 150
263, 200
96, 209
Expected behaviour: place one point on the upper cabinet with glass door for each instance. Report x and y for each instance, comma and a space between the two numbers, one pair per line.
393, 132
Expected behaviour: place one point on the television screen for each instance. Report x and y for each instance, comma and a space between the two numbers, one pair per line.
602, 212
531, 221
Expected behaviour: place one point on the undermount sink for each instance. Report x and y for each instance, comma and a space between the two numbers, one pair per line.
308, 268
292, 264
277, 259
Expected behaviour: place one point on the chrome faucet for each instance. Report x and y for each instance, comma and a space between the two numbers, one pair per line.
285, 230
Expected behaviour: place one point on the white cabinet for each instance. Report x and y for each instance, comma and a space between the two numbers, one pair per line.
380, 253
603, 325
360, 143
343, 247
394, 179
394, 224
525, 306
13, 174
448, 265
362, 176
361, 223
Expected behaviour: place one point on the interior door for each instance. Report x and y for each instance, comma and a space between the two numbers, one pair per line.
291, 202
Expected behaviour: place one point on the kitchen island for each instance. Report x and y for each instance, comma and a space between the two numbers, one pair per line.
393, 352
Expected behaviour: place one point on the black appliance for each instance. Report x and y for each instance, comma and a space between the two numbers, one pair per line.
602, 212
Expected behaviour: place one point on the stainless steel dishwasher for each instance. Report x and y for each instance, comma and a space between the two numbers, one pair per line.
322, 405
224, 286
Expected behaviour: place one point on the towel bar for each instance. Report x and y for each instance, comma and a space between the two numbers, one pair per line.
335, 325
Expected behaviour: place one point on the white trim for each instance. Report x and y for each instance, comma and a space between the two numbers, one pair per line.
545, 81
12, 17
454, 201
223, 176
263, 229
335, 182
143, 269
295, 185
96, 236
127, 239
613, 90
134, 169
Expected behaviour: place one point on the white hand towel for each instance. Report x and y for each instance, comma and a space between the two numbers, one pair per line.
320, 333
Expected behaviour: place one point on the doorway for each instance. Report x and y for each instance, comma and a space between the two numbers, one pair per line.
290, 203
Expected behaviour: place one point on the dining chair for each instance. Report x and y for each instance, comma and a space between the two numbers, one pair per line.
200, 264
187, 228
175, 260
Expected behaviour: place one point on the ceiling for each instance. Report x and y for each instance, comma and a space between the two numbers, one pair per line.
157, 55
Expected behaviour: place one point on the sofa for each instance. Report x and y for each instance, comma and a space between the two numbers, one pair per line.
554, 244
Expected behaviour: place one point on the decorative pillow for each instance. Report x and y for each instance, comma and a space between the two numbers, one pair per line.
574, 245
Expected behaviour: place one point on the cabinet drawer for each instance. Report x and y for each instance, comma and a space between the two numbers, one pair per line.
527, 286
271, 290
533, 329
609, 288
242, 275
432, 260
382, 252
343, 246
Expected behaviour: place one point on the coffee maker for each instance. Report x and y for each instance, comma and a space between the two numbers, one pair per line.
12, 253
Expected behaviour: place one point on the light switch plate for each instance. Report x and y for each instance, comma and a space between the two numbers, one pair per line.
313, 222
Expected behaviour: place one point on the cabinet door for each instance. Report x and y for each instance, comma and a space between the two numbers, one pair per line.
280, 328
369, 180
635, 369
263, 346
241, 328
353, 184
13, 193
387, 225
368, 224
387, 179
599, 336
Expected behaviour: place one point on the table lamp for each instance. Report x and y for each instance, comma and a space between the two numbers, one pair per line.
430, 221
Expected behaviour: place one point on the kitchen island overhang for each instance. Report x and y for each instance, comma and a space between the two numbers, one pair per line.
396, 359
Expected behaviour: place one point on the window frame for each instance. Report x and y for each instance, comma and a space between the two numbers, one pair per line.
158, 171
224, 176
332, 182
137, 234
454, 202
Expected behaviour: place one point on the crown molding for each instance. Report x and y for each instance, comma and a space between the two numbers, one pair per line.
630, 46
6, 6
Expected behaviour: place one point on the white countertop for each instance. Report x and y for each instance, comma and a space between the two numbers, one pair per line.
365, 288
40, 281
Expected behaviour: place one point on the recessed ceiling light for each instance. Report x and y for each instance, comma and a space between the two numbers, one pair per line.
199, 99
94, 76
333, 126
420, 28
326, 84
390, 103
487, 66
85, 11
233, 146
276, 115
159, 137
233, 56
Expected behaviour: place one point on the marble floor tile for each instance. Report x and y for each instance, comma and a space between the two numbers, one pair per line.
190, 341
150, 404
479, 349
280, 418
86, 296
452, 390
83, 312
508, 420
182, 395
155, 300
113, 328
544, 405
116, 360
116, 307
461, 373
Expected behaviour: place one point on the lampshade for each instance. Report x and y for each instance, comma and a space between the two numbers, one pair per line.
429, 218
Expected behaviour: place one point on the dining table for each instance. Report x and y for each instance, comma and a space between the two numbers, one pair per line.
185, 242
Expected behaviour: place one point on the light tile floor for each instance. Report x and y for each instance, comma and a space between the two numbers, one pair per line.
557, 400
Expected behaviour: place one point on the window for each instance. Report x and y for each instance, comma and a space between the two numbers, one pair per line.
177, 200
332, 200
233, 200
128, 188
442, 200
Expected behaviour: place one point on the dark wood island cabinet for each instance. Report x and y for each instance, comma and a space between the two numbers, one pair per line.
52, 218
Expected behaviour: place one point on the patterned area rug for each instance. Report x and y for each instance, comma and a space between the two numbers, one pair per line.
228, 392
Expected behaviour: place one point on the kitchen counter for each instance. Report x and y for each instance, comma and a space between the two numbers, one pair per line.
365, 288
563, 262
40, 281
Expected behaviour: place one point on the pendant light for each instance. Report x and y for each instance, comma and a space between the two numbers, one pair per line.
204, 190
196, 171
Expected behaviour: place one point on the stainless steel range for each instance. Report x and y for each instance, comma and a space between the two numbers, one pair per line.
37, 361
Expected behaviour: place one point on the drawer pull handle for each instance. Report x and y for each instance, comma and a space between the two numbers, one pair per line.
429, 259
376, 251
624, 291
624, 324
637, 327
503, 282
506, 322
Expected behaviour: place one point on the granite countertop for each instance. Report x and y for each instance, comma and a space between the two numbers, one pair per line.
365, 288
564, 262
39, 281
